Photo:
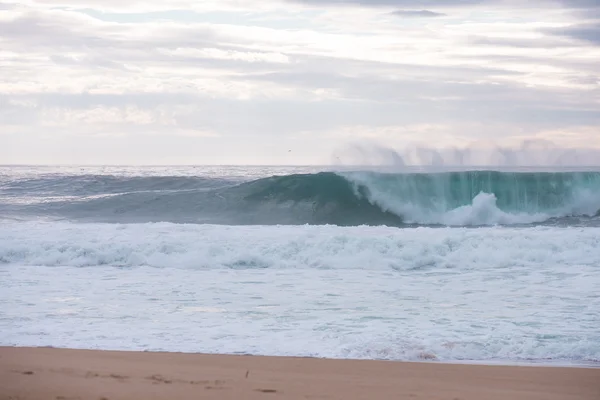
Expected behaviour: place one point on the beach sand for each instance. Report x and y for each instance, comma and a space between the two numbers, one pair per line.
61, 374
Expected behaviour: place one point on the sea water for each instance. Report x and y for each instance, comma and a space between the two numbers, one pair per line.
456, 266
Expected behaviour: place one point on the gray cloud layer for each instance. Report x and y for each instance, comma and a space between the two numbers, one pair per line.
415, 4
584, 32
397, 3
417, 13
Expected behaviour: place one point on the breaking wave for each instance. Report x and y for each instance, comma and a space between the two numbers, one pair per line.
469, 198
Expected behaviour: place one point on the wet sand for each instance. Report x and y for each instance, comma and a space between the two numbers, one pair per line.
61, 374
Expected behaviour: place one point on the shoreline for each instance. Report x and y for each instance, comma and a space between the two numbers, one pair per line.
425, 360
31, 373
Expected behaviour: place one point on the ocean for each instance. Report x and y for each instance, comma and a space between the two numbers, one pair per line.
419, 264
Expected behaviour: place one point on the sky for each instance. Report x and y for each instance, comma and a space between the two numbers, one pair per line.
298, 81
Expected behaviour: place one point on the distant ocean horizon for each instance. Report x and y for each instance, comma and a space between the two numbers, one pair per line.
456, 264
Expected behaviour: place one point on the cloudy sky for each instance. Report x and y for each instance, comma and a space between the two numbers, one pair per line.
292, 81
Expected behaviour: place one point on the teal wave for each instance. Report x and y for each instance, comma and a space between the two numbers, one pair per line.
520, 192
426, 197
351, 198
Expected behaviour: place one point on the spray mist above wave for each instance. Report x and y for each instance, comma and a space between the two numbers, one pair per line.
529, 153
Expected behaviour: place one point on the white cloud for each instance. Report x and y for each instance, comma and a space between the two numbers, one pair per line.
220, 54
132, 6
104, 115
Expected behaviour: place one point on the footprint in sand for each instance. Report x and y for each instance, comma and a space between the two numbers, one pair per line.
158, 379
266, 390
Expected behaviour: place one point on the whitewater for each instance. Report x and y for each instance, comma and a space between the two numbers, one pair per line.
455, 266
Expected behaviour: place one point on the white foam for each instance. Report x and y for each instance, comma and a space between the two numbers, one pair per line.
502, 294
281, 247
484, 211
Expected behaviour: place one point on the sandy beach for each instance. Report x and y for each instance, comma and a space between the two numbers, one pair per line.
62, 374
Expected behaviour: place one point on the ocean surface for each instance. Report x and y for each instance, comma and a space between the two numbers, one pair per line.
414, 264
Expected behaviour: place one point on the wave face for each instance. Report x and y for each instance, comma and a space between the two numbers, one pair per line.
482, 197
470, 198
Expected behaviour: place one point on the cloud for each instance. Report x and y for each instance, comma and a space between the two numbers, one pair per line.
398, 3
223, 82
139, 6
589, 33
233, 55
572, 4
525, 43
580, 3
417, 13
130, 115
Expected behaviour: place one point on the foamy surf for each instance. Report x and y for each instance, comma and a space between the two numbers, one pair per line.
192, 246
358, 292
